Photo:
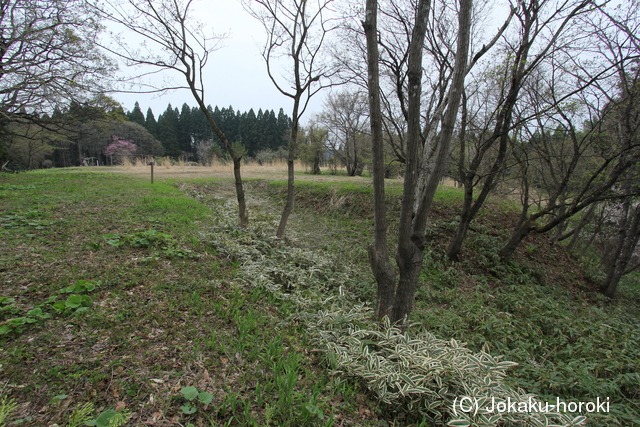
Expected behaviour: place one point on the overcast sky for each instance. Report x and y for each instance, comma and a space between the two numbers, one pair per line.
235, 75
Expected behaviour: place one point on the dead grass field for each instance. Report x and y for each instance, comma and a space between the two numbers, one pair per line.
274, 171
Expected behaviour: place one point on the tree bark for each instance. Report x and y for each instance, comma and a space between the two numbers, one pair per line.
584, 220
409, 252
293, 144
629, 234
410, 255
237, 159
378, 252
396, 300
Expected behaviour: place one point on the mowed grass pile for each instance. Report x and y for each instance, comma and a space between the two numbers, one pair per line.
110, 302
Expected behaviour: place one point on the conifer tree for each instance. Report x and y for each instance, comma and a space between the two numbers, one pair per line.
150, 123
184, 130
168, 132
136, 115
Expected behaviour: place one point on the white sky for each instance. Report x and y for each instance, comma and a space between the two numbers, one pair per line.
235, 74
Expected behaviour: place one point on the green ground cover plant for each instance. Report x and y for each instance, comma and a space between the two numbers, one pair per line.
541, 311
276, 333
417, 379
166, 312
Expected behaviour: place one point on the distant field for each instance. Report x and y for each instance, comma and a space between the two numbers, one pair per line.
275, 171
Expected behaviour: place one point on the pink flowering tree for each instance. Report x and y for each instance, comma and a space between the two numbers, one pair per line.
120, 148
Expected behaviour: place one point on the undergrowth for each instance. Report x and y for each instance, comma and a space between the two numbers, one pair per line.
570, 343
189, 319
419, 378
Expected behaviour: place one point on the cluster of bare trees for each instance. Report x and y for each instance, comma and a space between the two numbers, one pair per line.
540, 98
48, 58
552, 113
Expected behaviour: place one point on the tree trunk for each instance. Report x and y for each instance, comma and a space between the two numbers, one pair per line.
293, 144
500, 135
455, 246
418, 195
628, 240
378, 252
584, 220
242, 205
522, 229
237, 160
315, 167
409, 253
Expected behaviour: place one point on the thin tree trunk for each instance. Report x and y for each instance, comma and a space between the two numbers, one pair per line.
455, 246
499, 135
506, 252
629, 236
293, 144
237, 160
584, 220
378, 252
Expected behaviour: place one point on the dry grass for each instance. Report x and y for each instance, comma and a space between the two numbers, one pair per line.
276, 170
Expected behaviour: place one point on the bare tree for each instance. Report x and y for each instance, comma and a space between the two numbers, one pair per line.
313, 140
174, 41
396, 299
297, 31
536, 21
567, 170
48, 58
345, 117
583, 148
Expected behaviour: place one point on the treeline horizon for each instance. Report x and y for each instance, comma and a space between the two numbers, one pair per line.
79, 134
180, 131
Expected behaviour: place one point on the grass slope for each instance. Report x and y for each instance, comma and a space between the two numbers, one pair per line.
542, 310
169, 311
156, 312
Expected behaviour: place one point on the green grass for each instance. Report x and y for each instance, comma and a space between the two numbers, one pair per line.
540, 311
167, 312
170, 310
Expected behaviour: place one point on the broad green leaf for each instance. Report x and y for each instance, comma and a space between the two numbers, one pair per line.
205, 397
188, 408
74, 301
59, 305
103, 419
189, 392
58, 398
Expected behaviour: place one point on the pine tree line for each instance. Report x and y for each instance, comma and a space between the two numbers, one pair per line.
180, 131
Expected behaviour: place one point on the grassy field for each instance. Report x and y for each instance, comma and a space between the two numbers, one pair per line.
117, 300
110, 297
